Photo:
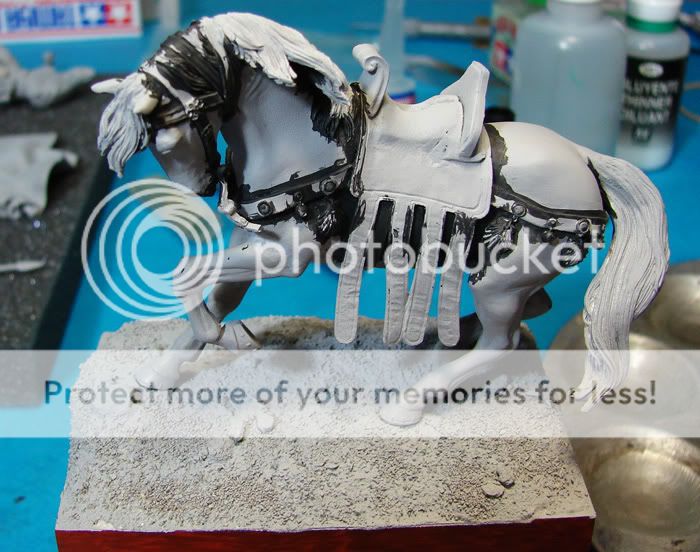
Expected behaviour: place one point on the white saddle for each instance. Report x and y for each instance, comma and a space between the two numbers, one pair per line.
433, 156
464, 101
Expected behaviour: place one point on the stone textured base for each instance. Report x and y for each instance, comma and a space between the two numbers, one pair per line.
273, 493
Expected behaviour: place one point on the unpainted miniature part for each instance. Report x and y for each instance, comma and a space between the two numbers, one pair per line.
41, 87
27, 161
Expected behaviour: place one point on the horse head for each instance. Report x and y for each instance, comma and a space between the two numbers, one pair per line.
138, 117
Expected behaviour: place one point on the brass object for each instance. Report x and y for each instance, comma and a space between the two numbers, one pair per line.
646, 491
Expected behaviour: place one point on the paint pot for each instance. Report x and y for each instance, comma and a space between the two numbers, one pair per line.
646, 492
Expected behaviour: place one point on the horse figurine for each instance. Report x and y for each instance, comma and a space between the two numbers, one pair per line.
313, 159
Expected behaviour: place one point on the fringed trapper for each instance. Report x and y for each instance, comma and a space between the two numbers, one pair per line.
451, 281
418, 306
348, 296
397, 268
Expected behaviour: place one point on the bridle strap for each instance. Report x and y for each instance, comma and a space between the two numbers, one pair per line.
186, 107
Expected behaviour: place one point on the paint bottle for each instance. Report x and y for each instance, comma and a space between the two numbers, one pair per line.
568, 72
657, 52
506, 17
392, 41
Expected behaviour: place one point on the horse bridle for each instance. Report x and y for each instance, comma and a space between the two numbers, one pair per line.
185, 107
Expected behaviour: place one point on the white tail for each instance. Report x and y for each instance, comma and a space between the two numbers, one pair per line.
631, 274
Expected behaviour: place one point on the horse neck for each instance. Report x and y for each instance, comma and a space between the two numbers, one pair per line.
271, 136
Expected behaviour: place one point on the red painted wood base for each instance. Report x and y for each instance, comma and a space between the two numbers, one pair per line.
542, 535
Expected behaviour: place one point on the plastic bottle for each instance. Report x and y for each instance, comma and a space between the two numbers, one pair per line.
657, 51
568, 73
392, 47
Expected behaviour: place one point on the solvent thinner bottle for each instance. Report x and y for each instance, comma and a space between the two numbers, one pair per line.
657, 52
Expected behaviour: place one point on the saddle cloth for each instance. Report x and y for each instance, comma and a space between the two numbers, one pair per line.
417, 157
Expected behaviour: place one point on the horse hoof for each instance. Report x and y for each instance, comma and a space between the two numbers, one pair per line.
237, 337
152, 379
401, 415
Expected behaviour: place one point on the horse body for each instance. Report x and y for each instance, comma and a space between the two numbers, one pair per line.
539, 164
295, 133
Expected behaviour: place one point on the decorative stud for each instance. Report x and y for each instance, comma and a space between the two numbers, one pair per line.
519, 210
265, 208
328, 186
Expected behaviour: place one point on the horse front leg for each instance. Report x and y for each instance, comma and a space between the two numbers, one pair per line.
223, 299
284, 253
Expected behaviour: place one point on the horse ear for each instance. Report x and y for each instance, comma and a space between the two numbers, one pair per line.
109, 86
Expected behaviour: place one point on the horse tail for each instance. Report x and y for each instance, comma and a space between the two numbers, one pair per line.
631, 274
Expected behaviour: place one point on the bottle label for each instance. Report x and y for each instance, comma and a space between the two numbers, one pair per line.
652, 97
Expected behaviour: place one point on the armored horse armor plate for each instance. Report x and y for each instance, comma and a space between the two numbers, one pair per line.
432, 158
434, 161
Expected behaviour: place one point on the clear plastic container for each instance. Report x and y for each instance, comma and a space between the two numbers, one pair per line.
657, 52
392, 42
568, 75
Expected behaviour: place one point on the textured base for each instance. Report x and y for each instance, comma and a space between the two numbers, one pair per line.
351, 493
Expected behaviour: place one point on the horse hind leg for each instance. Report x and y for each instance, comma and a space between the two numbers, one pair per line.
501, 301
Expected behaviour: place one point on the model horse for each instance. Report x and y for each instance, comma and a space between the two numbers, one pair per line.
316, 159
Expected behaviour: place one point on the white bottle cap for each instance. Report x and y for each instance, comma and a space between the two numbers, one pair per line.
654, 11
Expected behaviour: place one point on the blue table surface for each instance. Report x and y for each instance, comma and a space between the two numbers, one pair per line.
34, 470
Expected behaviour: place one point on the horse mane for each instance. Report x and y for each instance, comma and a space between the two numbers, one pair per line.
283, 54
277, 50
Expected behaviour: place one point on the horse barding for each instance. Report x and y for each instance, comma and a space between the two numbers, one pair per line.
311, 155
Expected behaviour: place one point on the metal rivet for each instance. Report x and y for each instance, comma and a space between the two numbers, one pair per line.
298, 196
328, 186
553, 222
265, 208
519, 210
582, 226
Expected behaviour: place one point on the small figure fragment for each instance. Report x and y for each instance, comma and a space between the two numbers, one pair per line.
42, 87
27, 161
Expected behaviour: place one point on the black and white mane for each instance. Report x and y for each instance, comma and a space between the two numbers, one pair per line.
207, 57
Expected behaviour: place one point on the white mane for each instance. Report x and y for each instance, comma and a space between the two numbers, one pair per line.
272, 47
259, 42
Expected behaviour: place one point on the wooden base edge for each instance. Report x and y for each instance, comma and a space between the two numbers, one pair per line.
541, 535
